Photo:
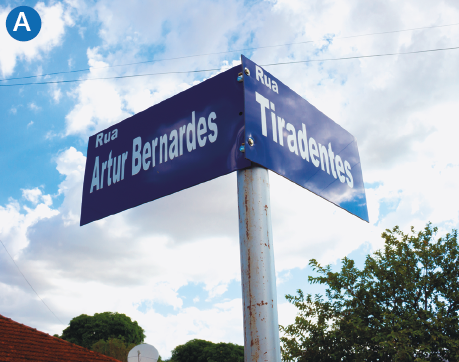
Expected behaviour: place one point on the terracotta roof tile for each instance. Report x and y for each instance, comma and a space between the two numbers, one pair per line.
20, 343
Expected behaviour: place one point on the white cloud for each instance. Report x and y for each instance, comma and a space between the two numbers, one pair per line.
32, 195
34, 107
56, 94
16, 220
55, 18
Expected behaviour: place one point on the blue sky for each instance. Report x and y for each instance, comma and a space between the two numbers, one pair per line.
173, 264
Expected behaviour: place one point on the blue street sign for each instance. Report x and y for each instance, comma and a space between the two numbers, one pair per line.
183, 141
286, 134
196, 136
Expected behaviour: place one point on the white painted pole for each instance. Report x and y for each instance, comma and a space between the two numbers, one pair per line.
261, 327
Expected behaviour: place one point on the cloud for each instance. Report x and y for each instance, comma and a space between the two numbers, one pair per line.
16, 220
34, 107
55, 18
56, 94
34, 196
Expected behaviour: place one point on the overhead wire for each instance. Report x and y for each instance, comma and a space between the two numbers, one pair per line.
216, 69
29, 283
363, 56
229, 51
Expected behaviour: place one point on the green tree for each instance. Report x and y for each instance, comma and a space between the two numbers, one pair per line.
198, 350
86, 330
223, 352
403, 305
191, 351
113, 347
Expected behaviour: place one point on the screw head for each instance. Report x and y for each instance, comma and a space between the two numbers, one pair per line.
239, 77
246, 71
250, 141
242, 148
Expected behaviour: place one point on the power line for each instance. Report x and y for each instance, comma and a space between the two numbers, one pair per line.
362, 56
29, 283
229, 51
215, 69
118, 77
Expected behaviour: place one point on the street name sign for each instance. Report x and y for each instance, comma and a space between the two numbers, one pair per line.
183, 141
294, 139
196, 136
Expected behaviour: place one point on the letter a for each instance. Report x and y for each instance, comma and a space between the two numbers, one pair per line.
18, 22
95, 176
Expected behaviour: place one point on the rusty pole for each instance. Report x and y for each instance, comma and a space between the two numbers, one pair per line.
259, 298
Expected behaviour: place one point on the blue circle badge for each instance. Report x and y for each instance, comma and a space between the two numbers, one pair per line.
23, 23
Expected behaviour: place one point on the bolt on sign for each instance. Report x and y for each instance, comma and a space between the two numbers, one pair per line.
221, 125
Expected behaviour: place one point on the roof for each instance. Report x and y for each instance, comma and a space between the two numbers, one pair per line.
20, 343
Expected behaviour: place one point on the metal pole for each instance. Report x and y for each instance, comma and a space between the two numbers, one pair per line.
261, 327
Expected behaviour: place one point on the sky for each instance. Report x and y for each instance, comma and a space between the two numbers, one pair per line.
173, 264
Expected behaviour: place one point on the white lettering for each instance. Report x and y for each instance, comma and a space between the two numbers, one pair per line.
264, 103
303, 143
291, 139
274, 124
154, 143
259, 75
267, 82
110, 163
99, 139
173, 148
191, 128
163, 141
212, 127
332, 157
146, 154
181, 132
95, 176
116, 170
104, 167
136, 158
349, 179
273, 121
324, 156
339, 168
125, 155
320, 155
202, 128
18, 22
114, 134
281, 125
313, 151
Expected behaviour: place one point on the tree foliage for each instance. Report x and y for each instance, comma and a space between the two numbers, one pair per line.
198, 350
223, 352
114, 347
86, 330
403, 305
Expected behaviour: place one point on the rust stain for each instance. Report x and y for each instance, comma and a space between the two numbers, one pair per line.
246, 203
